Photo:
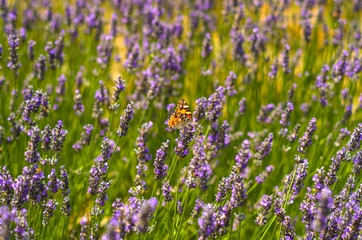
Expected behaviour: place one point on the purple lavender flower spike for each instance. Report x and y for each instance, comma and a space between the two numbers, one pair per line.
166, 192
53, 182
6, 186
215, 104
285, 59
207, 48
6, 219
324, 199
286, 114
30, 50
125, 119
118, 88
145, 213
78, 107
40, 68
22, 230
206, 222
238, 192
306, 140
46, 138
14, 63
142, 150
230, 83
32, 155
242, 157
339, 68
58, 137
105, 50
159, 163
356, 137
186, 136
50, 206
102, 193
199, 112
242, 107
266, 204
264, 149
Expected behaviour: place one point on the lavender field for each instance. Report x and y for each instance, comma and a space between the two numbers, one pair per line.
95, 142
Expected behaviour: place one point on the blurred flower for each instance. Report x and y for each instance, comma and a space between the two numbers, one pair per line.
206, 48
206, 222
14, 63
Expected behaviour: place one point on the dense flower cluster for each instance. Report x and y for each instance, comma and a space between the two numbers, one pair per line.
254, 74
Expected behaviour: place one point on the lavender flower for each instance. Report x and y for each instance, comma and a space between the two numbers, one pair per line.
50, 206
186, 135
274, 69
32, 155
180, 208
159, 163
132, 61
14, 63
293, 135
342, 134
242, 107
196, 210
142, 150
21, 191
46, 138
238, 192
354, 142
242, 157
58, 137
266, 204
230, 83
264, 175
215, 104
264, 149
199, 112
263, 113
102, 193
324, 200
125, 119
207, 48
6, 218
78, 107
86, 135
145, 213
100, 168
166, 192
22, 231
1, 51
40, 68
105, 50
306, 140
53, 182
333, 169
64, 184
118, 88
38, 190
339, 68
285, 59
6, 186
287, 230
223, 189
206, 222
286, 114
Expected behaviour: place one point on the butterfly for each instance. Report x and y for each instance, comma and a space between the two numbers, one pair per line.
181, 117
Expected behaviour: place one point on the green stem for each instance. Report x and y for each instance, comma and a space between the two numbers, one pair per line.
175, 211
182, 217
